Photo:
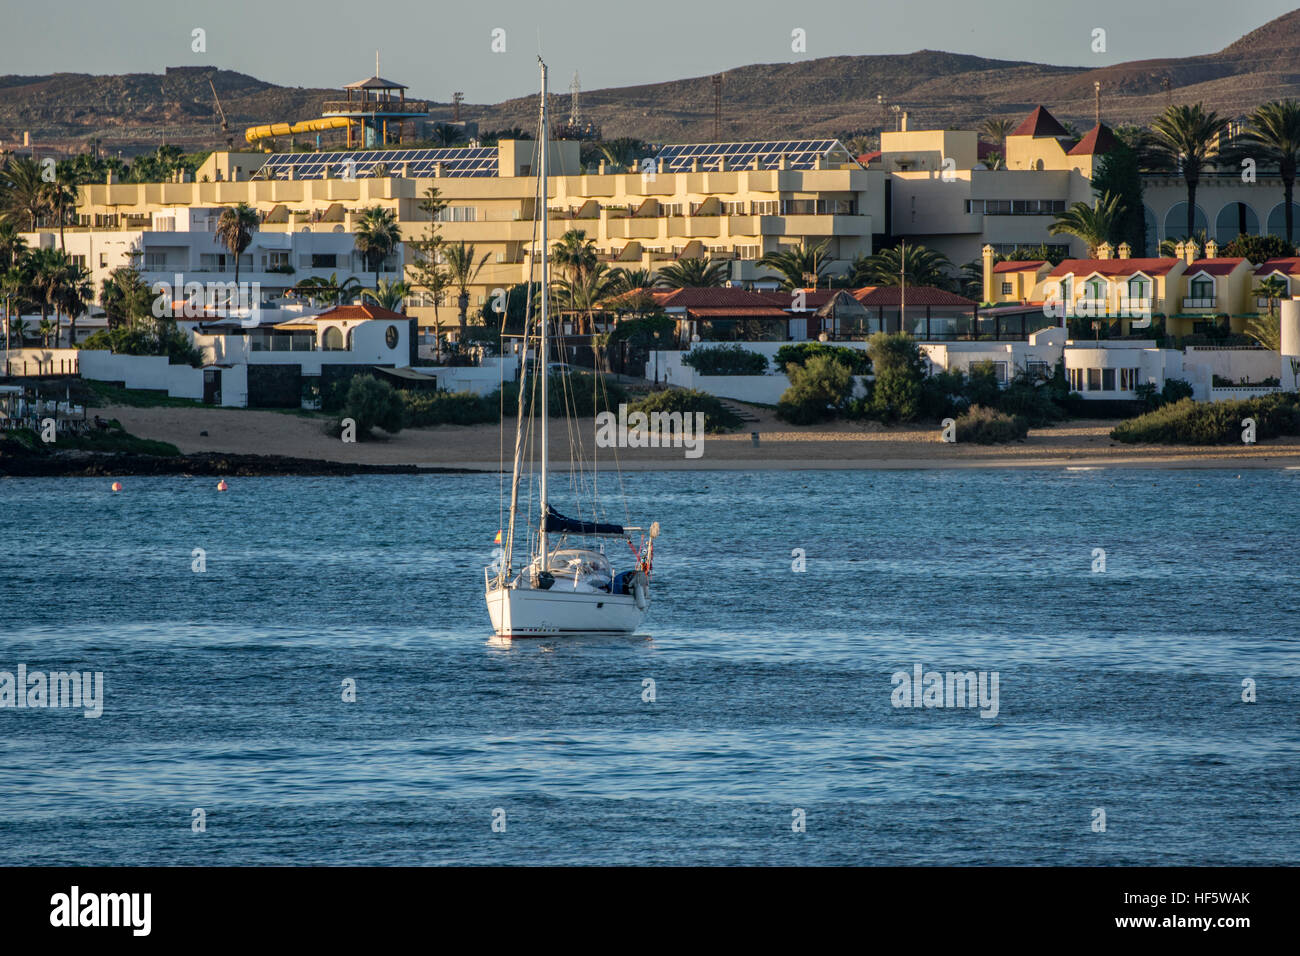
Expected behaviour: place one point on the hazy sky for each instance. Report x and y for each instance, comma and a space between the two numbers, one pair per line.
438, 47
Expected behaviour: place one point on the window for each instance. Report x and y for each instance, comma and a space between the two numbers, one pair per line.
79, 261
747, 252
1006, 288
1137, 288
1202, 289
1076, 379
765, 207
1038, 371
670, 209
321, 260
734, 208
1000, 370
1128, 379
1108, 380
103, 260
458, 214
1094, 379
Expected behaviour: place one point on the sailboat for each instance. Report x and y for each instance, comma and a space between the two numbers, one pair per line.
569, 584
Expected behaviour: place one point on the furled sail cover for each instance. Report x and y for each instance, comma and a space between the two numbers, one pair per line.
557, 523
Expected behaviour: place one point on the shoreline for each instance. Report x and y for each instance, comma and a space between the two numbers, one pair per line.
243, 442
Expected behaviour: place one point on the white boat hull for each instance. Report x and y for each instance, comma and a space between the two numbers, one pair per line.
523, 612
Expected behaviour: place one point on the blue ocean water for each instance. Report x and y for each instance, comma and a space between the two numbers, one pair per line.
1119, 690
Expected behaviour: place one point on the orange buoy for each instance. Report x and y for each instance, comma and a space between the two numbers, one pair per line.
221, 485
117, 486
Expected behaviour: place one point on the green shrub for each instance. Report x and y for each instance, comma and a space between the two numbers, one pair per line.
982, 386
1175, 390
943, 395
725, 360
1031, 402
1186, 422
857, 360
988, 426
370, 403
581, 393
896, 393
819, 389
166, 340
423, 409
717, 418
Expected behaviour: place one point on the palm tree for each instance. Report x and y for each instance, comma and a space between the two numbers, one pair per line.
12, 245
633, 280
695, 274
13, 282
1272, 136
463, 270
1267, 330
914, 263
798, 264
124, 296
61, 193
49, 271
623, 152
74, 298
45, 330
388, 294
330, 291
377, 235
1093, 224
575, 252
587, 292
235, 230
996, 130
23, 190
1185, 137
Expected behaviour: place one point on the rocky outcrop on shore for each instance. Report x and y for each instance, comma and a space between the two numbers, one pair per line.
86, 464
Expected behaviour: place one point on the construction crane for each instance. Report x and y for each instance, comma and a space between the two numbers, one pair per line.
225, 126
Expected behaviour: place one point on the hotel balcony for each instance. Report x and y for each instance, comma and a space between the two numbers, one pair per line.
1195, 303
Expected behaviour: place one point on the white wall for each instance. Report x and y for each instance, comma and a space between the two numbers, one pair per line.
1235, 364
36, 361
144, 371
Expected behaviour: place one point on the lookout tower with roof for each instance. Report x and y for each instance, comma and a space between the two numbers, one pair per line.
378, 110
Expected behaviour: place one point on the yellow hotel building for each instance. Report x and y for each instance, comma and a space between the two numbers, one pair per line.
735, 202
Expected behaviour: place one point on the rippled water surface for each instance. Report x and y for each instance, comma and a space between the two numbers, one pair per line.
1118, 691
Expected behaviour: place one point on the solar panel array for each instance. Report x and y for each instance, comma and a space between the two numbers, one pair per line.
458, 161
799, 154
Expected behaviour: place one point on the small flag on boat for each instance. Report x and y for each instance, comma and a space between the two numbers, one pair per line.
497, 539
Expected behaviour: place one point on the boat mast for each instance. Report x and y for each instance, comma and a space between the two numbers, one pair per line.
544, 358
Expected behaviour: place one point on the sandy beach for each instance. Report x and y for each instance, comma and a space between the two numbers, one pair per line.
843, 445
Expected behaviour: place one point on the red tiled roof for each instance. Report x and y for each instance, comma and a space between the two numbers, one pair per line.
1040, 123
1287, 265
1214, 267
916, 295
360, 312
1114, 267
870, 157
1096, 141
1020, 265
721, 298
738, 311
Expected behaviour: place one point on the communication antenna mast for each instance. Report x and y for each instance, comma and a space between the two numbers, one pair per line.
575, 112
456, 99
1096, 89
717, 107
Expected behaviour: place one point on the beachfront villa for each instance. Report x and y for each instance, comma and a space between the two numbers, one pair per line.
1186, 293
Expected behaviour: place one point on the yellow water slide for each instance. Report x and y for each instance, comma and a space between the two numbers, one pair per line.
254, 133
